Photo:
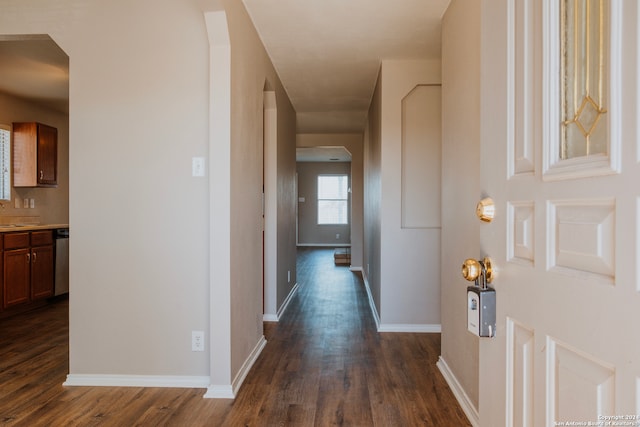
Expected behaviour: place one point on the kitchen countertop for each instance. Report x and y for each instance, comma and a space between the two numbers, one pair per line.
29, 227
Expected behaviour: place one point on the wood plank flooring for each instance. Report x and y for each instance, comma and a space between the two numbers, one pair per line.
324, 365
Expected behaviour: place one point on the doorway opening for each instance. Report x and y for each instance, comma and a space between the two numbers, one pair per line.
324, 214
34, 97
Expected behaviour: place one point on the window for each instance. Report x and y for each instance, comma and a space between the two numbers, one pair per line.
584, 78
5, 161
333, 199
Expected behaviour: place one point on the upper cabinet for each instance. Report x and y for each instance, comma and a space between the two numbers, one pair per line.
35, 155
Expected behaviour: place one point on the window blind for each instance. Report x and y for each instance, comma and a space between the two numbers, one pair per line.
5, 159
333, 194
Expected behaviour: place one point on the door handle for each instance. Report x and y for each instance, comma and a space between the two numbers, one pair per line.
474, 270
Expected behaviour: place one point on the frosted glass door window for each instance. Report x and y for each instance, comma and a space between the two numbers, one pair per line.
584, 79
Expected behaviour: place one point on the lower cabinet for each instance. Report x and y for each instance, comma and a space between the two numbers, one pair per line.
28, 267
42, 272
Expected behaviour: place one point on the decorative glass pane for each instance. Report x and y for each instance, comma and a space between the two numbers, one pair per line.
584, 77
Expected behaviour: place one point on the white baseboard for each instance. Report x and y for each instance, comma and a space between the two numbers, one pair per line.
89, 380
247, 365
225, 391
467, 406
393, 327
219, 392
276, 317
270, 317
287, 301
413, 328
372, 304
324, 245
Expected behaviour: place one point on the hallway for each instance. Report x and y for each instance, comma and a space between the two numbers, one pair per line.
324, 364
331, 367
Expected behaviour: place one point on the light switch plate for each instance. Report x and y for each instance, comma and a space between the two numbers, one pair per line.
197, 166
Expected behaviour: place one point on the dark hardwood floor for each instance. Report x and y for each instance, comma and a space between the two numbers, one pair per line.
324, 365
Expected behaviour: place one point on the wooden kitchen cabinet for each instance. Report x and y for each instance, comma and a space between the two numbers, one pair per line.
35, 155
42, 262
16, 270
28, 267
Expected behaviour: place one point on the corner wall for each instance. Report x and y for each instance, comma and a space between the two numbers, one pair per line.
372, 199
250, 69
460, 188
409, 254
286, 195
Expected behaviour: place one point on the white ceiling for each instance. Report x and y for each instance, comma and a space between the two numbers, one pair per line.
322, 154
35, 68
328, 52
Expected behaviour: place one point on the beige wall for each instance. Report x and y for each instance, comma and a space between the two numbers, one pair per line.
139, 274
373, 196
51, 204
410, 257
353, 142
286, 194
460, 184
139, 112
401, 264
250, 69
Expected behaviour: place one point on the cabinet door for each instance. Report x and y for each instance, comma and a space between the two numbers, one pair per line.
41, 272
47, 155
24, 154
16, 277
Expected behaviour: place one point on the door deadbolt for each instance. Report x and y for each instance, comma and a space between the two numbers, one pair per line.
486, 209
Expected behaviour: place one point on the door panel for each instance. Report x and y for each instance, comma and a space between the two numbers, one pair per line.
580, 388
565, 238
581, 238
521, 232
520, 357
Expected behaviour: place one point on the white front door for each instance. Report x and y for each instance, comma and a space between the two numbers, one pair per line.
560, 158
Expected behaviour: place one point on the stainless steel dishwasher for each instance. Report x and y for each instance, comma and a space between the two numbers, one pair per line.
62, 261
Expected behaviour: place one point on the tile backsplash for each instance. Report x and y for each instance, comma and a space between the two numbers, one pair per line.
30, 220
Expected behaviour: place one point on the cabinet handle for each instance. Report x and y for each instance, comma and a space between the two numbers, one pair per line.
41, 174
34, 257
28, 257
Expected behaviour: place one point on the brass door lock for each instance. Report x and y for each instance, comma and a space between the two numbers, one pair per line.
486, 209
481, 299
479, 271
